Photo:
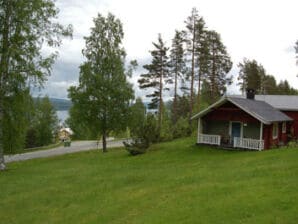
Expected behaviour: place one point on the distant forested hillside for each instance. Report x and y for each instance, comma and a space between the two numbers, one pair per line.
61, 104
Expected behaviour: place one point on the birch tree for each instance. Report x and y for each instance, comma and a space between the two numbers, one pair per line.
102, 98
25, 27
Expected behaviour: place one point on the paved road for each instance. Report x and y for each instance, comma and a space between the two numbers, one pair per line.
77, 146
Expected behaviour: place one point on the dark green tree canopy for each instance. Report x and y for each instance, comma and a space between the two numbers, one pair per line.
194, 36
101, 100
157, 77
158, 72
177, 67
251, 75
218, 65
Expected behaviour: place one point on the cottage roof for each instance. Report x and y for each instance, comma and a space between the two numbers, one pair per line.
260, 110
281, 102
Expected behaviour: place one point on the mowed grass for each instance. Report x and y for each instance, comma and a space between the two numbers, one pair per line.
175, 182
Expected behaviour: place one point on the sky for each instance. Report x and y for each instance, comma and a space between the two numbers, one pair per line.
262, 30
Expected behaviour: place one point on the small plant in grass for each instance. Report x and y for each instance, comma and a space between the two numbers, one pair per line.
136, 146
293, 144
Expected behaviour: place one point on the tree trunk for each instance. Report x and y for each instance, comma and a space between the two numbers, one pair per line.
199, 92
4, 60
2, 162
104, 141
192, 72
160, 97
175, 97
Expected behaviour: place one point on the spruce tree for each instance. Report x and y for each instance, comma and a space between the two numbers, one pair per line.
157, 77
177, 69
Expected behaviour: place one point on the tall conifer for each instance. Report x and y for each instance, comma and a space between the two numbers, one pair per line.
219, 65
194, 32
156, 77
177, 63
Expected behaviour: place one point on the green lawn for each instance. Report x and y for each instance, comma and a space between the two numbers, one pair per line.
175, 182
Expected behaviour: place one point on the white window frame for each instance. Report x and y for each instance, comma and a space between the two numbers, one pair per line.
284, 127
275, 130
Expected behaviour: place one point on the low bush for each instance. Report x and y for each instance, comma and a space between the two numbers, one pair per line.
136, 146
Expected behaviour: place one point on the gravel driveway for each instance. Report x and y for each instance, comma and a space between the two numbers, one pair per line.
76, 146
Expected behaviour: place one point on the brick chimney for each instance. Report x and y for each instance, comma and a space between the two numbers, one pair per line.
250, 94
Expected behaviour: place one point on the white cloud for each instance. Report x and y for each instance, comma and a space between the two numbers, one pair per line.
261, 30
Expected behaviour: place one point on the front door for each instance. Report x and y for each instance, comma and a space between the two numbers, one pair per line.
235, 130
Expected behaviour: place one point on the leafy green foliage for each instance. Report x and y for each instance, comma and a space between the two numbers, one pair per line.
43, 124
166, 131
19, 108
80, 128
181, 128
137, 118
25, 27
101, 100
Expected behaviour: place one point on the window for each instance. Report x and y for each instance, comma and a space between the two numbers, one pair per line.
284, 127
275, 130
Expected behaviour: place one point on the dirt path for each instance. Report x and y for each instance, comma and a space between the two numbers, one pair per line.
77, 146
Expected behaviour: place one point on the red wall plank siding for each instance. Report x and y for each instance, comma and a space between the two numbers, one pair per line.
294, 116
229, 112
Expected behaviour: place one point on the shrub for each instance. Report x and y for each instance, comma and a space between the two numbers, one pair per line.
181, 128
136, 146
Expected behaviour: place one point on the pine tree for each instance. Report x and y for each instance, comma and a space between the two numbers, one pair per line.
25, 27
219, 65
251, 75
156, 77
177, 63
103, 95
195, 26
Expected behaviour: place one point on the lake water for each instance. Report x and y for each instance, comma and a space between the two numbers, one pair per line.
62, 115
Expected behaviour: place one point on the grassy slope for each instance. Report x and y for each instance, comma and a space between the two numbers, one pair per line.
177, 182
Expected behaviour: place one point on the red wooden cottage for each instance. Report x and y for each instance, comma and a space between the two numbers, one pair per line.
255, 122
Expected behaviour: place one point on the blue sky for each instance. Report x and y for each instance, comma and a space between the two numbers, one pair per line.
261, 30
